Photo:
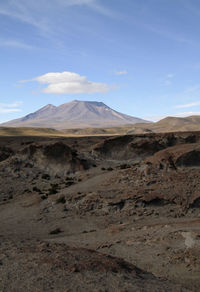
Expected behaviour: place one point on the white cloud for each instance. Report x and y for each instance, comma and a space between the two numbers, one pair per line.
123, 72
192, 104
10, 107
69, 83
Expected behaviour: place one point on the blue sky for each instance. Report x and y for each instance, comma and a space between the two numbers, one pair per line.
140, 57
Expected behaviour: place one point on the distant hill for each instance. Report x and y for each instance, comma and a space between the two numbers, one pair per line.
75, 114
169, 124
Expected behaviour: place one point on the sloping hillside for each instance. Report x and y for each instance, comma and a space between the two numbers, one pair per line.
75, 114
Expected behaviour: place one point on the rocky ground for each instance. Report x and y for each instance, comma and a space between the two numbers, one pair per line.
100, 213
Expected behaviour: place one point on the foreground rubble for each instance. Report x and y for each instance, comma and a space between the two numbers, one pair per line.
100, 213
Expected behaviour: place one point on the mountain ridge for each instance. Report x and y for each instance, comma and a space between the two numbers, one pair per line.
168, 124
74, 114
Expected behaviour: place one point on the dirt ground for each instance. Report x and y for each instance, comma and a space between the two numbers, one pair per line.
100, 213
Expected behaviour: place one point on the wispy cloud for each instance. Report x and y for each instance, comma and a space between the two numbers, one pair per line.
22, 13
170, 75
92, 4
102, 9
191, 92
9, 110
39, 15
68, 83
76, 2
176, 115
6, 108
167, 82
188, 105
186, 114
168, 79
169, 35
14, 104
14, 44
193, 88
123, 72
154, 118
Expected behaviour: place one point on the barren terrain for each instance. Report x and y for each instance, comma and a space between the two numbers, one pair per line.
100, 213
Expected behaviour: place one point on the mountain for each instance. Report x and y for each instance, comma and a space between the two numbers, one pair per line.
75, 114
169, 124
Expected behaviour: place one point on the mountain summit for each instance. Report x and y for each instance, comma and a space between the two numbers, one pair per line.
74, 114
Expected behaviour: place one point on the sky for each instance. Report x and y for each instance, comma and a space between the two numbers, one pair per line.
140, 57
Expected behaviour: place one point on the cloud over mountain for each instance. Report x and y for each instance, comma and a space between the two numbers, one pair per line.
69, 83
